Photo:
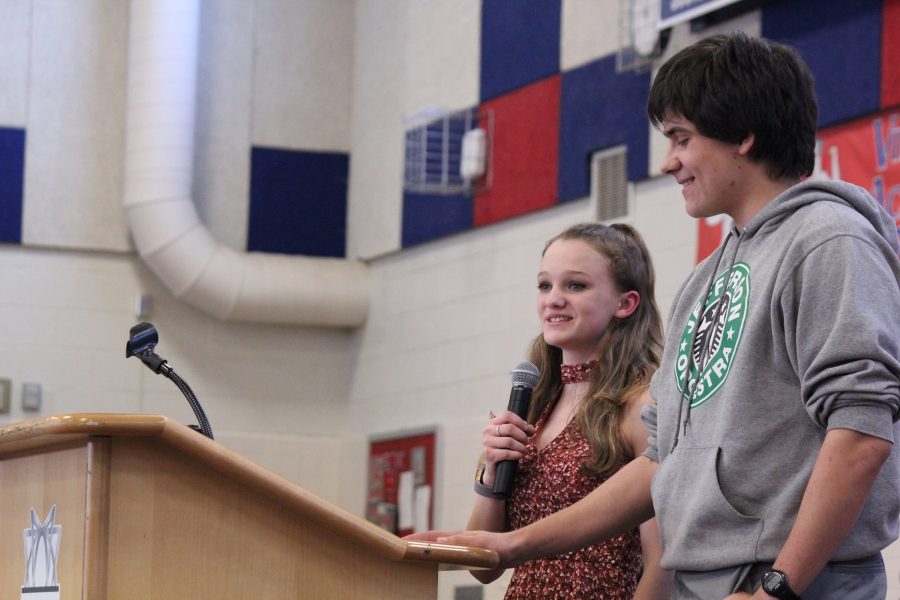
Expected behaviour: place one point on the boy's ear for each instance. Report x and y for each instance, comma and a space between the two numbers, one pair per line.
746, 145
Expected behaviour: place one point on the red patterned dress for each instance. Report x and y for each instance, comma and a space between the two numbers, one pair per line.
548, 481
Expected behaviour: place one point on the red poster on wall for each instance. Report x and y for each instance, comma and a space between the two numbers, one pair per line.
865, 151
401, 483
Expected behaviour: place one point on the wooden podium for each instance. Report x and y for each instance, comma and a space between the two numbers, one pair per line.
152, 510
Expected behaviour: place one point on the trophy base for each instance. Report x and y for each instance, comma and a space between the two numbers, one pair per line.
50, 592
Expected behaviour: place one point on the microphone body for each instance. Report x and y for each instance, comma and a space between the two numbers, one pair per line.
524, 377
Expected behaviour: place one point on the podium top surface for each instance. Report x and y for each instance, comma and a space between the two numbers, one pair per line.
70, 428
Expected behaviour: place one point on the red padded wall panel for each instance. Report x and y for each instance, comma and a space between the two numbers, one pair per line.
525, 152
890, 54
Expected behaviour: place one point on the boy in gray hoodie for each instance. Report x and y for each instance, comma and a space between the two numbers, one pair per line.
779, 390
774, 413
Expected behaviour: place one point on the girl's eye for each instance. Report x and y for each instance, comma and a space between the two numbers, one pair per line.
576, 285
543, 286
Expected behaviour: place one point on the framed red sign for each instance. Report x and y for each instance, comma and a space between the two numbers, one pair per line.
401, 483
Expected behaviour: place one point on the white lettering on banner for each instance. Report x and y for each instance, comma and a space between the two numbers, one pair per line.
887, 143
887, 154
676, 5
679, 11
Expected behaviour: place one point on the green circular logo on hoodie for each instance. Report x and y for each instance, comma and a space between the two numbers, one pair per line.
711, 351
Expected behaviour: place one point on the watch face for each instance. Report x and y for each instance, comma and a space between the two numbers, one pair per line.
773, 582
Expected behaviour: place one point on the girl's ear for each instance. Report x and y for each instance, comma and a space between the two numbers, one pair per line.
628, 303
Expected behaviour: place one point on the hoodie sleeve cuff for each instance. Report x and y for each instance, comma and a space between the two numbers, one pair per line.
874, 420
648, 416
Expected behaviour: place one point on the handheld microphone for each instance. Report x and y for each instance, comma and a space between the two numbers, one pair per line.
524, 377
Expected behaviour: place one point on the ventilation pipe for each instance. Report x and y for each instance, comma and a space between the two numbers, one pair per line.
175, 245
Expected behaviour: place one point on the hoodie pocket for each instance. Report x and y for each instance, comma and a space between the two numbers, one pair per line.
698, 526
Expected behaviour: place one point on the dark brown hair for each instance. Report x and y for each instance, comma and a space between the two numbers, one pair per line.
730, 86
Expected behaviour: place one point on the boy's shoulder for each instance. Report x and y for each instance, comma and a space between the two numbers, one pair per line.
836, 206
820, 221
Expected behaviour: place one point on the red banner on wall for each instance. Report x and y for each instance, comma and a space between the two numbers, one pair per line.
865, 151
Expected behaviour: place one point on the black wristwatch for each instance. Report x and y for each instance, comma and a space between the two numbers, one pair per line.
775, 583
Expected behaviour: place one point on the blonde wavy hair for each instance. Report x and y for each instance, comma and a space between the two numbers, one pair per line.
629, 351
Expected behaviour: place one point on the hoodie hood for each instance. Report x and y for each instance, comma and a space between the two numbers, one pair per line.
824, 190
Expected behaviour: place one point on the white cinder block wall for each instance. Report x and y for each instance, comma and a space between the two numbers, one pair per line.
448, 318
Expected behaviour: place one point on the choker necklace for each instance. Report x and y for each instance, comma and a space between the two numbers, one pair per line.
577, 373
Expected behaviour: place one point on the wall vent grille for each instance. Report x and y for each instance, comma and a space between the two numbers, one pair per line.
609, 184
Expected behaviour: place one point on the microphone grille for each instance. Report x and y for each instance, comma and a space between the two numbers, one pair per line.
525, 374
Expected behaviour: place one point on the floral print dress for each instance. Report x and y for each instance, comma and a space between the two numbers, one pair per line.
549, 480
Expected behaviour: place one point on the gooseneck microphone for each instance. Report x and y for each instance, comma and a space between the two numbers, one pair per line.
142, 339
524, 377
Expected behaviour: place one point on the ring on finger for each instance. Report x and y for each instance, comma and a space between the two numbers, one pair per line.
498, 432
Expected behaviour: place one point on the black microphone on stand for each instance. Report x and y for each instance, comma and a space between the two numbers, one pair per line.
524, 377
142, 339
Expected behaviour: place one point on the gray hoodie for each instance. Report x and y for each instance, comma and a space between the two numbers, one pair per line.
798, 333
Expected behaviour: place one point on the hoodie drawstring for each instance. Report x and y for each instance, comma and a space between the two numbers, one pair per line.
686, 392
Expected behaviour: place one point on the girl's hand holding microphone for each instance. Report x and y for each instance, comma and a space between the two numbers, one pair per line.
504, 438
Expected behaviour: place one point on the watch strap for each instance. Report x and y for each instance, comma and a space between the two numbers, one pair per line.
487, 492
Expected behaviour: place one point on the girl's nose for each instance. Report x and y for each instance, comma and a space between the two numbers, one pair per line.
555, 298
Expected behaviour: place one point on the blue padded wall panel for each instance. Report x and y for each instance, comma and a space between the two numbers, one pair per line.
430, 216
298, 202
841, 41
600, 108
519, 43
12, 173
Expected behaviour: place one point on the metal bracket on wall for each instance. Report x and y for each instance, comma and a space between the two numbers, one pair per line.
31, 397
5, 387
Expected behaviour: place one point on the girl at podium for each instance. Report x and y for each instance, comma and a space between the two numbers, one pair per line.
599, 344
